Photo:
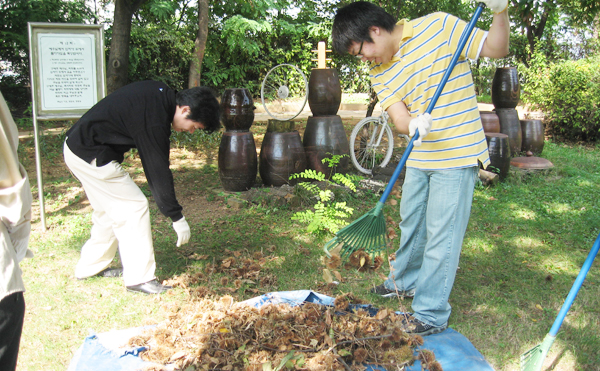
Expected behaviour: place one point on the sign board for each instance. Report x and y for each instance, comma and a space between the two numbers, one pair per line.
67, 68
67, 77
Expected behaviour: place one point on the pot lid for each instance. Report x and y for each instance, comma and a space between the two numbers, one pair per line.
531, 162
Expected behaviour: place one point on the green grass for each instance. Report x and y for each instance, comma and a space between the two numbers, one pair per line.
525, 244
482, 98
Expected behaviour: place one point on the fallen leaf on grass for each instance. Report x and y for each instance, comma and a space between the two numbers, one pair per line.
338, 276
327, 276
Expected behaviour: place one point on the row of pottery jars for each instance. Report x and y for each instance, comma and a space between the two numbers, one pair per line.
532, 131
281, 153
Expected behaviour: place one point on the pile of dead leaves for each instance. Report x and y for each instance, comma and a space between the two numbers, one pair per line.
207, 334
237, 274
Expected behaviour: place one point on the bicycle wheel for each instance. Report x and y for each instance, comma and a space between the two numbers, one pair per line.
371, 144
284, 92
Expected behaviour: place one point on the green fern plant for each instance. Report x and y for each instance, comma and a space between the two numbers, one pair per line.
326, 214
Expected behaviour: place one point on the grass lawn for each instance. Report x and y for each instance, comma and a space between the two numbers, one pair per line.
525, 244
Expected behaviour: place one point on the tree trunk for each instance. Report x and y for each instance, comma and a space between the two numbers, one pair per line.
535, 32
118, 59
372, 103
200, 44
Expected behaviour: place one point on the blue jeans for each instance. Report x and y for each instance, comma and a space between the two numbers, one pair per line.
435, 211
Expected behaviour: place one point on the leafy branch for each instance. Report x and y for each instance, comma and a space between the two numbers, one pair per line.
326, 214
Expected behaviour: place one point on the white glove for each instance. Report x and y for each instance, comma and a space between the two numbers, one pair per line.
496, 6
183, 231
421, 123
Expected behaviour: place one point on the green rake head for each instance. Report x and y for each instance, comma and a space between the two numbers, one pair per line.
367, 232
534, 358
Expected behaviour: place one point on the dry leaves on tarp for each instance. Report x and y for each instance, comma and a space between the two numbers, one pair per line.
206, 334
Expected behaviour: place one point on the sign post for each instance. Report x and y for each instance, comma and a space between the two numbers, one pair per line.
67, 77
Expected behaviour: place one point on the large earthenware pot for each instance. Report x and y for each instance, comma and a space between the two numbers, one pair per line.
533, 136
511, 126
281, 155
506, 90
237, 109
499, 149
238, 163
324, 91
323, 136
490, 121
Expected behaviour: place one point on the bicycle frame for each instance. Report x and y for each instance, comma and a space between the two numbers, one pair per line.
381, 122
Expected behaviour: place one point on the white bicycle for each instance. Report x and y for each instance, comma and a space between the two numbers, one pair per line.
372, 143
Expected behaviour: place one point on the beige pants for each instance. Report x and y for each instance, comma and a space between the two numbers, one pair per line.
121, 219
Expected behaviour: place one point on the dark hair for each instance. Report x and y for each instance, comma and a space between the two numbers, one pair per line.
353, 22
203, 104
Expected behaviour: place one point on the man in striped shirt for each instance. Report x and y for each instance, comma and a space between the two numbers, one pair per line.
407, 62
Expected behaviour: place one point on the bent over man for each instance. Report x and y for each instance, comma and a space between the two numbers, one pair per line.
139, 115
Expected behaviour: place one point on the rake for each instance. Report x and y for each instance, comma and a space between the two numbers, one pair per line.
533, 359
368, 232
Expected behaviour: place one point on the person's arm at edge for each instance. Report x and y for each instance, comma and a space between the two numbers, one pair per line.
400, 116
496, 43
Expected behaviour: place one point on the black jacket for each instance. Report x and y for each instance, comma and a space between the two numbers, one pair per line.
138, 115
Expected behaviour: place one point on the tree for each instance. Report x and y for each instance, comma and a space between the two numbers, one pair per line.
118, 59
14, 16
200, 44
162, 41
14, 48
540, 18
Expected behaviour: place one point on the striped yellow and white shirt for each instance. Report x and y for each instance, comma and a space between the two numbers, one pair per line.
456, 139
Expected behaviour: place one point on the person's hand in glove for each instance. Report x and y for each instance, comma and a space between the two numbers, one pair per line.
183, 231
496, 6
422, 123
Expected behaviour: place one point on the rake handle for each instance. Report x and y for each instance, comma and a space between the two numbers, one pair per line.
575, 289
438, 91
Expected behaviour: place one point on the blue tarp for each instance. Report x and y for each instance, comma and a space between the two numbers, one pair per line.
104, 351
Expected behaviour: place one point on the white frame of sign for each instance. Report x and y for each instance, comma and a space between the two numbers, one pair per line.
68, 71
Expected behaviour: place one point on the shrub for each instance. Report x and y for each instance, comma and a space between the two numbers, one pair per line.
328, 215
567, 92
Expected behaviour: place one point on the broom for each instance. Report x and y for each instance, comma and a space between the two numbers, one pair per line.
533, 359
368, 232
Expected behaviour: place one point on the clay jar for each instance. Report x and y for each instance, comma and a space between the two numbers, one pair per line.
533, 136
237, 109
324, 92
506, 90
499, 150
281, 155
490, 121
511, 126
325, 136
238, 163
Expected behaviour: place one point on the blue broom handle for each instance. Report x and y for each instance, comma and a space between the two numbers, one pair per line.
575, 289
461, 44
